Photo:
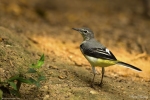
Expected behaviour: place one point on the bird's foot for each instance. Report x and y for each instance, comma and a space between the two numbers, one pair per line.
92, 85
101, 84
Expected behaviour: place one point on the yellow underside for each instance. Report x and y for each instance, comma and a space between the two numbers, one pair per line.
100, 62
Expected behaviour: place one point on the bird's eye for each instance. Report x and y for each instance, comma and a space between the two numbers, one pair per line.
85, 31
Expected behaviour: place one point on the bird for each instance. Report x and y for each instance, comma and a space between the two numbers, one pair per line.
97, 54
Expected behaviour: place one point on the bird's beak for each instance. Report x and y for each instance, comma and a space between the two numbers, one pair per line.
77, 29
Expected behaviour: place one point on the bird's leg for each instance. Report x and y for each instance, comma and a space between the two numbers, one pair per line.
94, 72
103, 70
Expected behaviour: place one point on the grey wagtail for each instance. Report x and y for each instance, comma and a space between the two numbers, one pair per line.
97, 54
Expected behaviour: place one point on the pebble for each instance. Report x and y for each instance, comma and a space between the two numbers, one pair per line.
46, 97
61, 77
53, 67
45, 87
93, 92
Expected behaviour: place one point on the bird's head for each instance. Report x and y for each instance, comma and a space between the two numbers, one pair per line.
86, 33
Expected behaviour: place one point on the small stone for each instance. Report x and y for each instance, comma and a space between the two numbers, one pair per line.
70, 56
93, 92
45, 87
77, 63
61, 77
46, 97
124, 92
88, 68
1, 39
118, 86
53, 67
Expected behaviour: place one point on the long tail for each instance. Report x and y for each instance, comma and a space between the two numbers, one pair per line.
128, 65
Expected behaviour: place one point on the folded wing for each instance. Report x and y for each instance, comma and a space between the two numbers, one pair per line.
102, 53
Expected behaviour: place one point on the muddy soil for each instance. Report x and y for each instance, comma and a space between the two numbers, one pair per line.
30, 28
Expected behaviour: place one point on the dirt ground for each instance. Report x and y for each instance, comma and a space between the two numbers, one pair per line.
29, 28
